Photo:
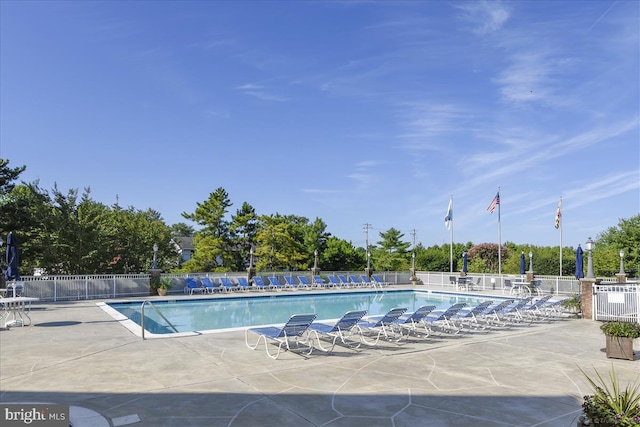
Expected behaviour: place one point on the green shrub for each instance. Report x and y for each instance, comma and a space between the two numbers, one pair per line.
611, 406
621, 329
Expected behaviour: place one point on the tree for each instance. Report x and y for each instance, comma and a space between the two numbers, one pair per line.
434, 258
315, 238
77, 244
483, 258
132, 236
244, 226
181, 229
392, 254
341, 255
26, 210
625, 237
211, 243
279, 244
8, 176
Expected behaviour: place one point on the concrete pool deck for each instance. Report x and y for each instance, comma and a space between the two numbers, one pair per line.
526, 375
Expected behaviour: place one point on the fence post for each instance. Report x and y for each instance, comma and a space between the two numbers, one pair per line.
638, 303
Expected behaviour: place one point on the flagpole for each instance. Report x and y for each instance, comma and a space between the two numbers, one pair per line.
499, 238
451, 242
560, 226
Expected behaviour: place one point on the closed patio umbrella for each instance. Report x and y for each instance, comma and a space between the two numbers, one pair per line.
579, 263
522, 263
12, 258
465, 260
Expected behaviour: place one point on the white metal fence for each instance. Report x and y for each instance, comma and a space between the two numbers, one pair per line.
616, 302
556, 285
72, 288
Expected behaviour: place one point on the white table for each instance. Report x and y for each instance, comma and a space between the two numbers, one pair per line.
15, 310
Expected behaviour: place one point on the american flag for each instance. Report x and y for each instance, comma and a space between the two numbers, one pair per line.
495, 202
559, 214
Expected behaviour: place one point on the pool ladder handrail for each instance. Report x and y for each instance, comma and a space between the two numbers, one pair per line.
157, 311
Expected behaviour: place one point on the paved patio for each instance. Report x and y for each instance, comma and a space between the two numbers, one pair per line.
75, 354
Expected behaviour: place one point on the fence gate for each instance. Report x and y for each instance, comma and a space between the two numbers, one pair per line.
616, 302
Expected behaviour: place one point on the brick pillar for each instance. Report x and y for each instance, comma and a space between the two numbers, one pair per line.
621, 277
586, 289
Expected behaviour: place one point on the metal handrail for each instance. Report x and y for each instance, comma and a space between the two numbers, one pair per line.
157, 311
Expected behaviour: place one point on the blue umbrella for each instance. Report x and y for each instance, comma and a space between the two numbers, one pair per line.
12, 258
464, 262
522, 262
579, 263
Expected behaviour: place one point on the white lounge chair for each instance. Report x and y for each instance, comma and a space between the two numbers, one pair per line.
381, 326
378, 281
412, 321
209, 286
340, 330
192, 286
442, 318
293, 330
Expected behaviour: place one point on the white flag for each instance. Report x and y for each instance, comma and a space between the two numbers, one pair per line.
448, 220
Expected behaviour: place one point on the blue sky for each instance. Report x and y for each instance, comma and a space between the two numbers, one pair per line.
354, 112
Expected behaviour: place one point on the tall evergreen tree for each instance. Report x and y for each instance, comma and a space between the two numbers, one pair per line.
244, 226
212, 243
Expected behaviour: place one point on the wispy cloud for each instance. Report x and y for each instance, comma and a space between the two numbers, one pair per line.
485, 16
603, 188
541, 149
532, 76
319, 191
260, 92
366, 173
422, 121
368, 164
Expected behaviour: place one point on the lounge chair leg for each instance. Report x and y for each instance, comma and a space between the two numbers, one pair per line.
364, 340
327, 350
266, 349
246, 340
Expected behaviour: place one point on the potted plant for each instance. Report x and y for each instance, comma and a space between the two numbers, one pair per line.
610, 405
573, 305
160, 285
415, 280
620, 336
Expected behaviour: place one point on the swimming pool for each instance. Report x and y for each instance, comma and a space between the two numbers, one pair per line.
207, 315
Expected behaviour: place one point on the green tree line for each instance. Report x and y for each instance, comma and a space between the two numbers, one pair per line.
70, 233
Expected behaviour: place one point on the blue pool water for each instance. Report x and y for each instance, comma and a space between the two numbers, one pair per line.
238, 312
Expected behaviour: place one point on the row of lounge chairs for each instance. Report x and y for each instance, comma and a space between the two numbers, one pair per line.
225, 284
302, 333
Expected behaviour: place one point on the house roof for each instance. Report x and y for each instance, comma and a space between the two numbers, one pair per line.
184, 242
